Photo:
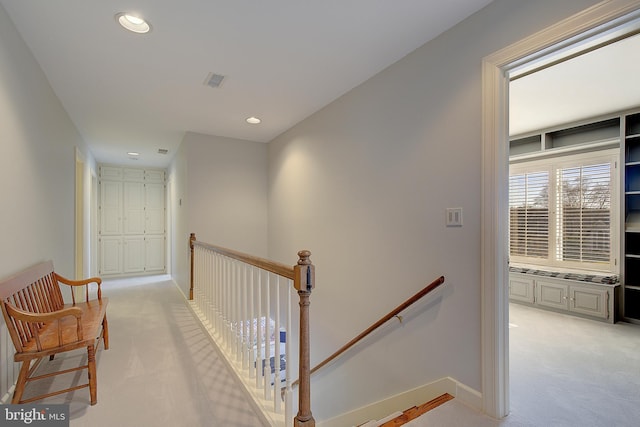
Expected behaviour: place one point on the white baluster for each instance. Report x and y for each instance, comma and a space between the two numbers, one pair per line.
277, 399
267, 339
250, 320
260, 332
288, 410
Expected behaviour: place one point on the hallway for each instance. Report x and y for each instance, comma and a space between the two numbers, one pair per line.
160, 369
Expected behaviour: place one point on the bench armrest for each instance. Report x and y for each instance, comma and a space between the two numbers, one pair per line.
84, 282
33, 320
30, 317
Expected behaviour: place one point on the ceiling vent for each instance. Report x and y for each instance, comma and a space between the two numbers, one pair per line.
162, 151
214, 80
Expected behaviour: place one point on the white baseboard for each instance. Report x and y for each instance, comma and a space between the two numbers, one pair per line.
405, 400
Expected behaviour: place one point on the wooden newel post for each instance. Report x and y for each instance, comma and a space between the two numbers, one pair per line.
304, 282
192, 239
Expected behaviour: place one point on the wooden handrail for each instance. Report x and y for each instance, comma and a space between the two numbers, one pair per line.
265, 264
433, 285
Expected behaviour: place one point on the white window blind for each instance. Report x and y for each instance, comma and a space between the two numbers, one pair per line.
584, 232
529, 214
561, 212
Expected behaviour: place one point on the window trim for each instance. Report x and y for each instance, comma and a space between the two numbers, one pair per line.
552, 165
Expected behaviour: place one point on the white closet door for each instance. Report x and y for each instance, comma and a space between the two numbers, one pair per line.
134, 218
134, 254
155, 208
110, 208
154, 253
110, 255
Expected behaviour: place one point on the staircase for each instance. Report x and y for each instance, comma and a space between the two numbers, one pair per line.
410, 414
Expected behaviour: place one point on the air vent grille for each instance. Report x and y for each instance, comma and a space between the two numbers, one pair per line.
214, 80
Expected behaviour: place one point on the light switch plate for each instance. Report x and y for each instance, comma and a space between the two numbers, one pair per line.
454, 217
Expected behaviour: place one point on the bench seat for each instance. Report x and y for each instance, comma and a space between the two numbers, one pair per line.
41, 324
93, 313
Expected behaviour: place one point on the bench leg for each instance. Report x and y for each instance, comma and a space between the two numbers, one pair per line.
93, 384
22, 382
105, 332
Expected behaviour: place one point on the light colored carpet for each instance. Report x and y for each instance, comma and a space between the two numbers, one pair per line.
160, 370
565, 371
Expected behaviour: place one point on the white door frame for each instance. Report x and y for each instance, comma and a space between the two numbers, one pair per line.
495, 171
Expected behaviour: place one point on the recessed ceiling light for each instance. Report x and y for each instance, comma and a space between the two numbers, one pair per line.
253, 120
133, 153
133, 23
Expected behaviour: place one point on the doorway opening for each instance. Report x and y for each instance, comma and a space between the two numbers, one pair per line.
582, 32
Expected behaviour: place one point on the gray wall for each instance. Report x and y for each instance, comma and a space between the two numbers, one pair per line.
364, 184
37, 174
223, 186
37, 164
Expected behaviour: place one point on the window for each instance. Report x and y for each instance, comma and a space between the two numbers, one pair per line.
562, 212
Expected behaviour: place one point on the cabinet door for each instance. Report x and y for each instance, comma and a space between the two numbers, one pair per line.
154, 194
110, 255
154, 253
133, 254
553, 295
132, 174
590, 301
110, 208
521, 289
134, 217
154, 176
111, 172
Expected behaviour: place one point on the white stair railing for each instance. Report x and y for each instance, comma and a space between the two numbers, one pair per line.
246, 305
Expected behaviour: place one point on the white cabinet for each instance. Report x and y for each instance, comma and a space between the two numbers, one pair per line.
132, 221
571, 296
589, 301
110, 208
133, 254
154, 209
134, 208
552, 295
521, 289
154, 253
110, 255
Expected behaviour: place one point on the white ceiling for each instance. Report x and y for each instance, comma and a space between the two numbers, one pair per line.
603, 81
282, 61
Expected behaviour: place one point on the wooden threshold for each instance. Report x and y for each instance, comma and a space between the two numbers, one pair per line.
416, 411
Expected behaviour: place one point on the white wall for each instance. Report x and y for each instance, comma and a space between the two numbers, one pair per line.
364, 184
37, 173
37, 165
223, 186
179, 227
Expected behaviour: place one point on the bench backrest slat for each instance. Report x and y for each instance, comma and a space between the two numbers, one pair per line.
34, 290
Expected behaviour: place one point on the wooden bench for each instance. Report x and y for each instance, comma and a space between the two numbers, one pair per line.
41, 324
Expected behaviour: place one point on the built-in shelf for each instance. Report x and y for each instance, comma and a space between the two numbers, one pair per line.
631, 181
584, 136
633, 221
